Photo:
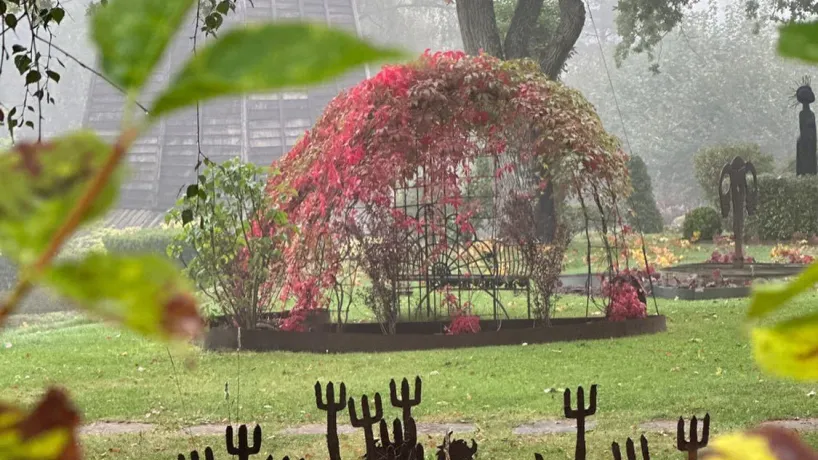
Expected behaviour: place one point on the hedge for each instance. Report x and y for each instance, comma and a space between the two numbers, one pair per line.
787, 206
150, 240
708, 163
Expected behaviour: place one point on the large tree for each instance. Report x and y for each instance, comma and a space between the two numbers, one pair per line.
509, 29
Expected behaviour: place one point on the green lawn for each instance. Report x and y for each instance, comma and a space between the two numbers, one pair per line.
703, 363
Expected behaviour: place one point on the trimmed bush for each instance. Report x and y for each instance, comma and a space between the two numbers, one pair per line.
643, 204
709, 162
705, 221
787, 206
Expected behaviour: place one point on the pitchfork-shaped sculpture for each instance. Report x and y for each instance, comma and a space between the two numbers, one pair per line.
738, 197
580, 414
630, 450
695, 443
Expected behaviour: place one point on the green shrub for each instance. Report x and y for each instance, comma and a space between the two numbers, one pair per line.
647, 217
147, 240
238, 234
708, 163
704, 220
787, 206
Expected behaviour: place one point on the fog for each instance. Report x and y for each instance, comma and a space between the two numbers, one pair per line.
717, 81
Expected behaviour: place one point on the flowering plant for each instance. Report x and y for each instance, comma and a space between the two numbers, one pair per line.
727, 258
624, 299
793, 255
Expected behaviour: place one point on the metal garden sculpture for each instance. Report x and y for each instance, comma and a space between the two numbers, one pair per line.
332, 407
579, 415
630, 450
738, 197
402, 443
806, 162
694, 444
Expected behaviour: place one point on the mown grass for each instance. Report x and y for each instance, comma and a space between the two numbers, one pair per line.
702, 363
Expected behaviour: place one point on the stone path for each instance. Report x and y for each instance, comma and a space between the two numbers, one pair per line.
542, 427
551, 427
112, 428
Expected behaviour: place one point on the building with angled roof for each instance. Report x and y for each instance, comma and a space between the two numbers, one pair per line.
259, 128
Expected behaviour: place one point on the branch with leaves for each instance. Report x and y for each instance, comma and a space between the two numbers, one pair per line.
54, 188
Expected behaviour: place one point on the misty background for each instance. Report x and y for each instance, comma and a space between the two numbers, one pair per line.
716, 79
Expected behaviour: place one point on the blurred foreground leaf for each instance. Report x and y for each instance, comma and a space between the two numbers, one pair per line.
131, 36
766, 443
799, 40
46, 433
788, 349
770, 297
265, 57
146, 293
42, 182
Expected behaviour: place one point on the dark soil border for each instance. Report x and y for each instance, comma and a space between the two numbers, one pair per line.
665, 292
368, 338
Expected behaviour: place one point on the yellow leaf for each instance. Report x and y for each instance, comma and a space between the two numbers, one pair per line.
769, 297
789, 349
46, 433
766, 443
740, 446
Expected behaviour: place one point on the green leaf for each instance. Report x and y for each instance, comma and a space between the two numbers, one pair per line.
223, 7
213, 21
187, 216
53, 75
22, 62
799, 40
33, 77
266, 57
192, 191
57, 14
789, 349
11, 21
772, 296
41, 184
132, 35
146, 293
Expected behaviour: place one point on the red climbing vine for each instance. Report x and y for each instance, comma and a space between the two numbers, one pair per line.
428, 122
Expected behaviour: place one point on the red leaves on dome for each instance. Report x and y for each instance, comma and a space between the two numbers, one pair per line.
436, 115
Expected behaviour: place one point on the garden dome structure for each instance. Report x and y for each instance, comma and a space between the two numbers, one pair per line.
427, 179
259, 128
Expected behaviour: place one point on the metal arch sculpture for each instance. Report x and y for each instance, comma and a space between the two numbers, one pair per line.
738, 197
456, 260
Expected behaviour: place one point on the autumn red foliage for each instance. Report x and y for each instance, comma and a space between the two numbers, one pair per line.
427, 122
624, 303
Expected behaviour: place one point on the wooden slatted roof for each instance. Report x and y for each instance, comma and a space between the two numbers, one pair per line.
259, 128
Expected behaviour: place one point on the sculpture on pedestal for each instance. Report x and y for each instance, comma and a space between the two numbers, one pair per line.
738, 196
806, 161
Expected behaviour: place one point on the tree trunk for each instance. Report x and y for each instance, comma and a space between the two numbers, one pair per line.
545, 215
572, 19
478, 27
521, 27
